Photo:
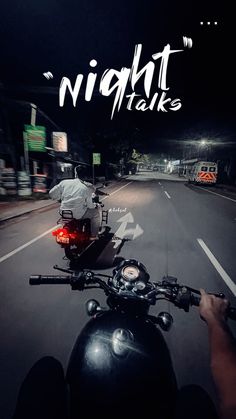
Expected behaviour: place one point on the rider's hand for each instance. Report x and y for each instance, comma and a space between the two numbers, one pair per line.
212, 309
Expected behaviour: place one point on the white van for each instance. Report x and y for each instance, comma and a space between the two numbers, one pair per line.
203, 173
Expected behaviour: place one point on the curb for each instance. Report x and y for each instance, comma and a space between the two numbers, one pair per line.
24, 212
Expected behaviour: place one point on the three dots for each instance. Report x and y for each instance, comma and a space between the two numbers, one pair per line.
209, 23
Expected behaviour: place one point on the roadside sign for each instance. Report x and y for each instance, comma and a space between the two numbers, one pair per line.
39, 183
59, 140
96, 158
36, 137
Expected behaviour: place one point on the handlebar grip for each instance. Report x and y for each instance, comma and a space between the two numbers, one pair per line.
49, 279
195, 301
230, 313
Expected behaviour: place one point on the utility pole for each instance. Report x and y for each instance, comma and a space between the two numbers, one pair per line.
25, 138
33, 114
26, 152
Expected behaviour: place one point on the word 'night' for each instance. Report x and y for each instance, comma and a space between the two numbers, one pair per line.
123, 83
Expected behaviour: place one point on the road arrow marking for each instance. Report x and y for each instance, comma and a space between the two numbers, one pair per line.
124, 232
127, 218
136, 232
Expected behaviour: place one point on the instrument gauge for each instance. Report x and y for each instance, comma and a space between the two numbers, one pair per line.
130, 273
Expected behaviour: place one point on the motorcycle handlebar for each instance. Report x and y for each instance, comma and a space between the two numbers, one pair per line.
79, 281
49, 279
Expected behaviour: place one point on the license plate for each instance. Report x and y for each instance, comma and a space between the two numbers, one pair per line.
61, 239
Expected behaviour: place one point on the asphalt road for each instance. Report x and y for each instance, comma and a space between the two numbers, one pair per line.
174, 228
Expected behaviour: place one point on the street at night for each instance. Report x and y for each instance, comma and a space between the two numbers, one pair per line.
168, 223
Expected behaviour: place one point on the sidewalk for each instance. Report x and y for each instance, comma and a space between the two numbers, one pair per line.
13, 209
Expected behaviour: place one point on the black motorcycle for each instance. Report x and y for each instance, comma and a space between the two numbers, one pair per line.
120, 364
74, 235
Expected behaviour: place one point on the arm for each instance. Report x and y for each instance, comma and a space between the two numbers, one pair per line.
222, 352
55, 192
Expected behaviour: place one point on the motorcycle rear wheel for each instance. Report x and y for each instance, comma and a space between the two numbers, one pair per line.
72, 253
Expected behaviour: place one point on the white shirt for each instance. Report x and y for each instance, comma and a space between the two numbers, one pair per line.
74, 195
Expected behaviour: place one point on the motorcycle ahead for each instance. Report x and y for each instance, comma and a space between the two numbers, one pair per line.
120, 365
74, 235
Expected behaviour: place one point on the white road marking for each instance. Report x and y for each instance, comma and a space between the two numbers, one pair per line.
168, 196
117, 190
18, 249
215, 193
123, 231
218, 267
159, 183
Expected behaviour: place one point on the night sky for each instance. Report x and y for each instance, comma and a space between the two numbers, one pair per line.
63, 36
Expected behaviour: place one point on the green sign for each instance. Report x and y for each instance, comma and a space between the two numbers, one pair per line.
36, 137
96, 158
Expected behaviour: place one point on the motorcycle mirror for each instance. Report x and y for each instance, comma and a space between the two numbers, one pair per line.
165, 320
92, 307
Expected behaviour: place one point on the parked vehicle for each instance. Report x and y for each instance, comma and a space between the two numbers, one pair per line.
120, 364
203, 173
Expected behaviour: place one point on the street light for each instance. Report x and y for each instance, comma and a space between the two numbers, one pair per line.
205, 145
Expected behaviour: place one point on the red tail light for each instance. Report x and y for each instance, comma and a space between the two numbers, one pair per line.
63, 232
60, 232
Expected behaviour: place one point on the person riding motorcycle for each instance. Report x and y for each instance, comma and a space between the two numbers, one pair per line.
78, 196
